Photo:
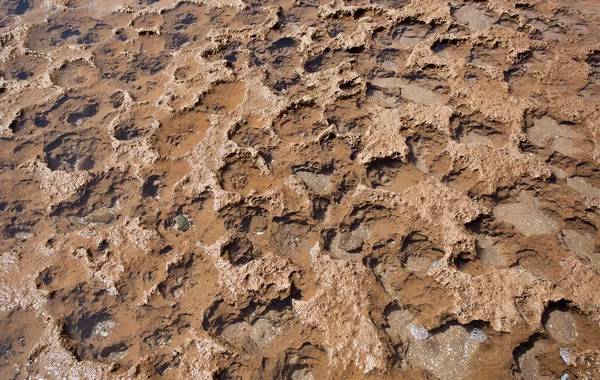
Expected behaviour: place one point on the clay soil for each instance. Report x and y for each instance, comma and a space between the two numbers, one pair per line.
299, 189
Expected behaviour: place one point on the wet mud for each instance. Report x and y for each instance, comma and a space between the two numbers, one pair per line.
299, 189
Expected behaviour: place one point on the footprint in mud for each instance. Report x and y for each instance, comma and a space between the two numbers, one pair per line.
84, 112
526, 216
562, 138
347, 243
422, 91
187, 25
89, 332
67, 29
327, 60
250, 133
390, 60
24, 67
293, 239
76, 74
137, 122
71, 151
476, 130
180, 132
281, 59
280, 47
159, 181
474, 15
239, 251
349, 115
522, 75
178, 280
242, 175
307, 363
185, 70
147, 21
300, 124
74, 111
428, 152
255, 223
150, 58
483, 56
408, 35
394, 175
451, 49
419, 254
223, 98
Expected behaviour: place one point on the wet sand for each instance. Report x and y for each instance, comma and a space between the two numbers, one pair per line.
299, 189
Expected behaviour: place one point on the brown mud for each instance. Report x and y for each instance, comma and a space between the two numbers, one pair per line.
299, 189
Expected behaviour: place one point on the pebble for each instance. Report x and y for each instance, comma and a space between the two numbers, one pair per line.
419, 332
103, 328
478, 335
182, 223
565, 354
100, 217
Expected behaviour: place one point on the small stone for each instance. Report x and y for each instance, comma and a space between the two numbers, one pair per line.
565, 354
182, 223
419, 332
23, 235
478, 335
302, 374
263, 332
100, 217
103, 328
178, 292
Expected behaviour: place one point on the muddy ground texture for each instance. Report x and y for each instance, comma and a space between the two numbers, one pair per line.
299, 189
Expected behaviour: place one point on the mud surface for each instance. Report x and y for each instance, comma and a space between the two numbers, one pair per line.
302, 189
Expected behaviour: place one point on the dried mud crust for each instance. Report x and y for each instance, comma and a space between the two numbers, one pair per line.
299, 189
